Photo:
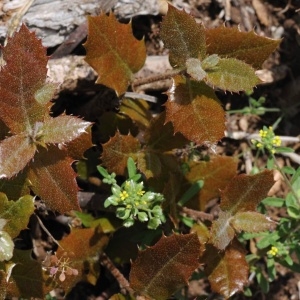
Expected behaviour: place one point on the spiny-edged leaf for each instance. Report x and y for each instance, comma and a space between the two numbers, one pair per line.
137, 110
63, 129
247, 46
27, 278
196, 102
149, 164
6, 246
227, 271
203, 235
16, 213
244, 192
113, 52
216, 174
221, 231
4, 130
232, 75
182, 36
251, 221
160, 136
16, 186
194, 69
44, 94
15, 153
169, 264
82, 247
23, 75
78, 146
53, 179
116, 152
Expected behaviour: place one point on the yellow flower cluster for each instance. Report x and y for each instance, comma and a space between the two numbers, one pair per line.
124, 195
273, 251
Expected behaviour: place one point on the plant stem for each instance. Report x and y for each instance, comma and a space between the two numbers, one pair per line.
158, 77
286, 180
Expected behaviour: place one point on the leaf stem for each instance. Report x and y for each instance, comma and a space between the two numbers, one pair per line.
168, 74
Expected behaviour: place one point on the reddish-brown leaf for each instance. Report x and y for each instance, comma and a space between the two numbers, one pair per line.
149, 164
246, 46
244, 192
251, 221
216, 174
162, 269
53, 179
182, 36
221, 231
196, 102
82, 247
15, 153
117, 150
23, 75
160, 136
113, 52
63, 129
227, 271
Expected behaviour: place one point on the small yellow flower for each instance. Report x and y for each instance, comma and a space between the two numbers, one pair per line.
128, 206
141, 193
273, 251
259, 145
276, 141
124, 195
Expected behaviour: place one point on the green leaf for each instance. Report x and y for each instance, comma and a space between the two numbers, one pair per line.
244, 192
232, 75
113, 51
63, 129
246, 46
45, 93
176, 255
191, 192
6, 246
227, 271
17, 213
194, 69
221, 231
182, 36
251, 222
273, 201
131, 168
197, 102
15, 153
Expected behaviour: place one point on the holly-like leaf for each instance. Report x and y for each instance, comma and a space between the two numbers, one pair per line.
196, 102
251, 221
116, 152
169, 264
63, 129
232, 75
221, 231
227, 271
21, 78
53, 179
82, 247
27, 277
149, 164
182, 36
203, 235
15, 153
247, 46
216, 174
138, 111
113, 52
17, 213
244, 192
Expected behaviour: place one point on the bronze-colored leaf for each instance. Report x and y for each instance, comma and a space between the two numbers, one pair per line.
53, 179
22, 76
82, 247
196, 102
169, 264
221, 231
232, 75
117, 150
17, 213
15, 153
183, 36
227, 271
216, 174
203, 235
149, 164
244, 192
113, 52
251, 221
247, 46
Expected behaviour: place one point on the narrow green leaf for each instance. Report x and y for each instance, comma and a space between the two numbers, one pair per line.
232, 75
131, 168
274, 201
191, 192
